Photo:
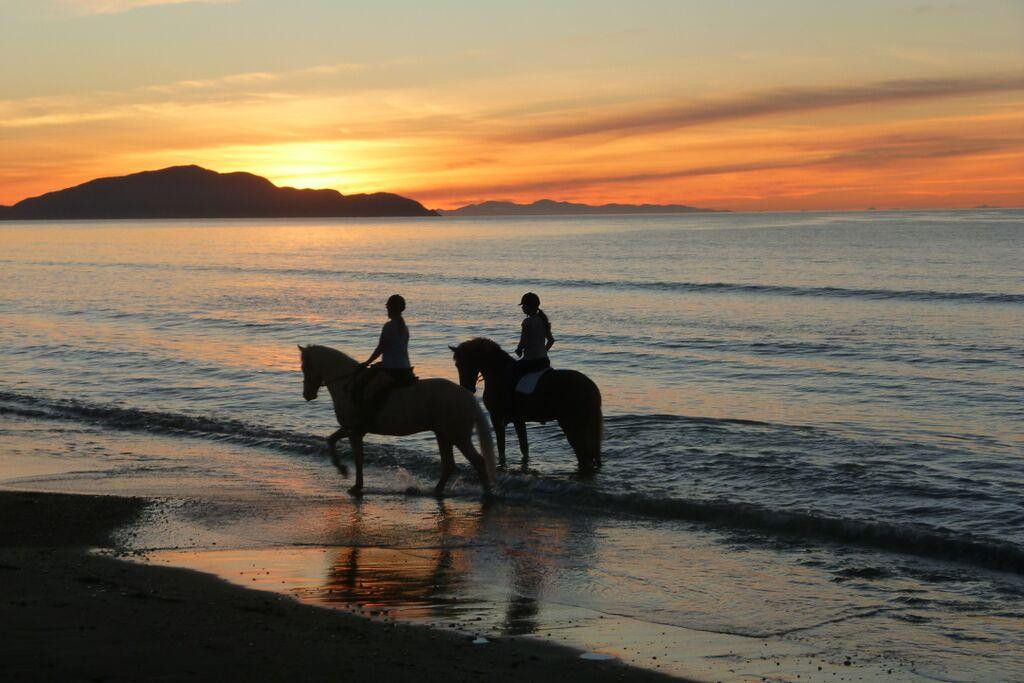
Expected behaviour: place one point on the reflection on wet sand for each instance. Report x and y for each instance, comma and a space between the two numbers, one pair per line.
441, 579
421, 583
534, 549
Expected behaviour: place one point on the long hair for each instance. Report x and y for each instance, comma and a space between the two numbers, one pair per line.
547, 323
396, 304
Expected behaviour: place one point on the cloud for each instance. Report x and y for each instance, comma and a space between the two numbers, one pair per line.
871, 154
778, 101
118, 6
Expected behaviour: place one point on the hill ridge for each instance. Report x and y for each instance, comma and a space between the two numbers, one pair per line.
191, 191
548, 207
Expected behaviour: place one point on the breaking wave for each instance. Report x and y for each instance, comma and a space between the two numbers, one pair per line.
657, 286
912, 538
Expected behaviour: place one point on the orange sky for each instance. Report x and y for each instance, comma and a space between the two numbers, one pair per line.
800, 105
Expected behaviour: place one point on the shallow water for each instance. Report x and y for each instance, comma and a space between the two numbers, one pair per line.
812, 420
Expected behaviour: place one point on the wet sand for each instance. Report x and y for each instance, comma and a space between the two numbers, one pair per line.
68, 613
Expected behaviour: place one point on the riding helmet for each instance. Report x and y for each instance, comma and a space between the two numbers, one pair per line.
396, 302
530, 299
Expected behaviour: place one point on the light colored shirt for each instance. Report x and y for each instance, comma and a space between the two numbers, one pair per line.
533, 340
394, 345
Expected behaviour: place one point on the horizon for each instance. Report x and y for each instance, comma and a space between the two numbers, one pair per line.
499, 200
794, 107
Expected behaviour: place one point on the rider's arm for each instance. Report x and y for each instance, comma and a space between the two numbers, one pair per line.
377, 351
550, 342
522, 340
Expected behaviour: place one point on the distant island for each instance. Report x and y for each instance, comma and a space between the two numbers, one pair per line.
549, 207
195, 192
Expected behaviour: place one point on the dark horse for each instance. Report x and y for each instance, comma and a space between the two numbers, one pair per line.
567, 396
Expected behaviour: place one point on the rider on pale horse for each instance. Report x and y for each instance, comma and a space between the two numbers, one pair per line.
369, 401
393, 350
535, 339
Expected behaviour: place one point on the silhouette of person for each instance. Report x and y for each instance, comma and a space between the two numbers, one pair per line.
393, 350
535, 339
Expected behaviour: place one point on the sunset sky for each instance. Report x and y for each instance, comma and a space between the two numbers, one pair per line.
795, 104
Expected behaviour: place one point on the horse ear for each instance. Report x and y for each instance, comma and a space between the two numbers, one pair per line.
452, 348
302, 349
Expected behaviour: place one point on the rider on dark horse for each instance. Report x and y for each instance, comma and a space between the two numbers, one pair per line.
535, 339
566, 396
393, 350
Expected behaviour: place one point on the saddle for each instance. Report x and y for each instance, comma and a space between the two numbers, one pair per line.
369, 406
527, 384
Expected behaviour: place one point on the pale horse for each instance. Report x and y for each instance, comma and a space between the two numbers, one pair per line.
427, 405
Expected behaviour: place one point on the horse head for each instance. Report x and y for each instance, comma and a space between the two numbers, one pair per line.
311, 377
477, 357
466, 364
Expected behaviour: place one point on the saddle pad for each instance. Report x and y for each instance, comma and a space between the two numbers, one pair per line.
528, 383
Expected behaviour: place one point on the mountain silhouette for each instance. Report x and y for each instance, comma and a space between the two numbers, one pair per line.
549, 207
195, 192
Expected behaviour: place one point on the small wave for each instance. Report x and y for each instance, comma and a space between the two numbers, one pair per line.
658, 419
175, 424
911, 538
914, 539
657, 286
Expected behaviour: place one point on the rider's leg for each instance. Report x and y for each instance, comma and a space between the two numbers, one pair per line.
362, 408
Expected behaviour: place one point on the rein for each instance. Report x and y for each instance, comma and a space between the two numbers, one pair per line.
326, 382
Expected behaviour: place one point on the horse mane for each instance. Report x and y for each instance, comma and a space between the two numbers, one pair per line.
484, 347
327, 352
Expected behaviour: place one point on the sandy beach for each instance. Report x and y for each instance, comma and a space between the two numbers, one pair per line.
67, 613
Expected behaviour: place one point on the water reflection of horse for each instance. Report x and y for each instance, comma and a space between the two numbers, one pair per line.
428, 405
420, 583
567, 396
449, 574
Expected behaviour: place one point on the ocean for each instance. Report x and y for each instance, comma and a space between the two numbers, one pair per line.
814, 425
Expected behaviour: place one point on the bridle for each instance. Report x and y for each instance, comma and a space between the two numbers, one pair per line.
476, 380
327, 382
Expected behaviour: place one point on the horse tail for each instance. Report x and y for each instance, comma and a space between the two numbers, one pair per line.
594, 429
483, 430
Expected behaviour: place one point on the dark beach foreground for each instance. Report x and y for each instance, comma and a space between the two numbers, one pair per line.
67, 613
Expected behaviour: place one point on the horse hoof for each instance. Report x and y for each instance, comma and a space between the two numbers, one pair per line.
356, 490
438, 492
342, 469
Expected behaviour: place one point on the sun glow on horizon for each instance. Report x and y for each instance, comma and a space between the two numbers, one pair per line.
573, 108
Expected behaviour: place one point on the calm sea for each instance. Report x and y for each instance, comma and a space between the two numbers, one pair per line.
814, 421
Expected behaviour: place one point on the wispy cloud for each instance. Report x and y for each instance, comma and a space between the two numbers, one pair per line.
771, 102
872, 154
118, 6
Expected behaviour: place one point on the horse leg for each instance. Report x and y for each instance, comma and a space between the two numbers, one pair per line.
356, 440
447, 464
576, 439
593, 436
524, 445
499, 436
332, 440
465, 445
